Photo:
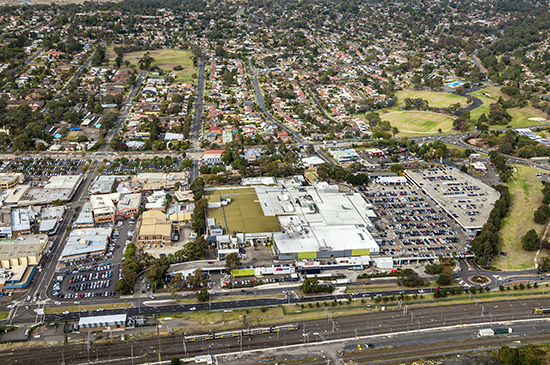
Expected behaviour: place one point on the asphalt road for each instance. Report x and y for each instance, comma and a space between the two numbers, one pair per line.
77, 73
34, 56
199, 103
260, 101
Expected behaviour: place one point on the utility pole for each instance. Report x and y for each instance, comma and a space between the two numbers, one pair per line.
184, 346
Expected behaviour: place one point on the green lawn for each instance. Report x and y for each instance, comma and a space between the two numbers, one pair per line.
418, 122
167, 59
4, 315
434, 98
526, 193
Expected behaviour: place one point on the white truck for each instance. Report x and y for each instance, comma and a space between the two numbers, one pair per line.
488, 332
342, 281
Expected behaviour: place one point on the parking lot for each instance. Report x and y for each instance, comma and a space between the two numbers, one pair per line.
95, 278
37, 168
125, 166
464, 198
413, 225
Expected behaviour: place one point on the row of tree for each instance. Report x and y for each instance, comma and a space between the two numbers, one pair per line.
487, 243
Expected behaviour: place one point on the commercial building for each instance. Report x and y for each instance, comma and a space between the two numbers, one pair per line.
103, 208
103, 184
50, 219
303, 222
157, 181
20, 222
155, 231
128, 205
344, 155
57, 189
10, 180
5, 223
86, 217
211, 158
86, 243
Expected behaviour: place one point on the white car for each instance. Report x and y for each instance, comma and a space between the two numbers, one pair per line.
66, 312
421, 291
184, 295
193, 308
57, 303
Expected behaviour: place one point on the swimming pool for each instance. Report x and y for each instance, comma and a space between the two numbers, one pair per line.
454, 84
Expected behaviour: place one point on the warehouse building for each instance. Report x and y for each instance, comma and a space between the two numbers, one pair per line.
22, 251
114, 322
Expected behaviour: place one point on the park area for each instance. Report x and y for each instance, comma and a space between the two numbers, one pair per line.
165, 59
435, 98
526, 196
418, 122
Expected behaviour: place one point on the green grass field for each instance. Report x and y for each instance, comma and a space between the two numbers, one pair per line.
418, 122
526, 193
165, 59
434, 98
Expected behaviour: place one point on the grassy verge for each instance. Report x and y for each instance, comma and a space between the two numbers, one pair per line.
232, 297
92, 307
526, 197
4, 315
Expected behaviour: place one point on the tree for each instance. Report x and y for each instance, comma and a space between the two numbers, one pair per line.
203, 295
434, 269
313, 286
175, 361
157, 271
409, 277
443, 279
130, 250
531, 241
232, 261
196, 280
541, 214
508, 356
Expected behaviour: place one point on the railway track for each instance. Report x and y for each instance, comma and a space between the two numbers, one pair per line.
372, 323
